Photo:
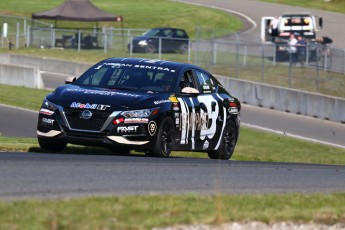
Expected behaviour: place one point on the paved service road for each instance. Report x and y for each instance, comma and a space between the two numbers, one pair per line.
255, 10
39, 175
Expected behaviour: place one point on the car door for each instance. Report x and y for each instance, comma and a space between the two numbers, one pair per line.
189, 110
212, 105
199, 111
166, 37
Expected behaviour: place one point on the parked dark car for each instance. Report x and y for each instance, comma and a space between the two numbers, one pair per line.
145, 105
169, 39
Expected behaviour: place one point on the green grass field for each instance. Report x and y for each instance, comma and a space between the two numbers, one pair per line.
136, 14
332, 5
146, 212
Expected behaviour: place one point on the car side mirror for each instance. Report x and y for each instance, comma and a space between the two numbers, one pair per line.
190, 91
70, 80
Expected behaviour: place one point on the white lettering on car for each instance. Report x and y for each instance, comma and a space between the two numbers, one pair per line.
126, 129
79, 105
48, 121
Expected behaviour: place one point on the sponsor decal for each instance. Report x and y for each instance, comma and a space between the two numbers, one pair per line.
199, 121
46, 112
100, 92
114, 65
154, 68
48, 121
86, 114
79, 105
173, 99
127, 129
119, 65
176, 106
233, 110
152, 128
161, 102
137, 120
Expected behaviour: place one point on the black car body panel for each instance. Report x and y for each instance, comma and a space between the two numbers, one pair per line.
123, 103
165, 40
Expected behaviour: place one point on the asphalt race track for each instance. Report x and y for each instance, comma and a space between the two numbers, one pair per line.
38, 175
43, 175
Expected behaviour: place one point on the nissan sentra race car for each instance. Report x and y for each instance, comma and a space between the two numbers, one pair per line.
145, 105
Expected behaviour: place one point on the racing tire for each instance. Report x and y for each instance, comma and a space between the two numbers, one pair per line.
164, 141
150, 49
227, 144
51, 145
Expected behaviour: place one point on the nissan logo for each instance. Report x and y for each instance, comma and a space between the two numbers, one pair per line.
86, 114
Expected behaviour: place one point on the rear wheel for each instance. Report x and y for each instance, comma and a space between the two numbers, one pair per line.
228, 143
51, 145
164, 141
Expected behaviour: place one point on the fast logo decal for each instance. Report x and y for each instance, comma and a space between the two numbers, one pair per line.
79, 105
127, 129
49, 122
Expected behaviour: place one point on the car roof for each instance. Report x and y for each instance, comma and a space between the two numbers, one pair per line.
153, 62
163, 28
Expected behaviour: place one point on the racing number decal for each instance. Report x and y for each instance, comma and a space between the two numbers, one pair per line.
198, 119
212, 110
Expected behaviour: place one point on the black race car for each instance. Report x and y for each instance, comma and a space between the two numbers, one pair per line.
166, 40
145, 105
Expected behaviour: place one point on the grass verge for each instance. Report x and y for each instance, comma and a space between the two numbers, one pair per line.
149, 211
269, 147
332, 5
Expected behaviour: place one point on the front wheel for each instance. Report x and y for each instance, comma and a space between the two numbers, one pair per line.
183, 48
228, 143
51, 145
150, 49
164, 142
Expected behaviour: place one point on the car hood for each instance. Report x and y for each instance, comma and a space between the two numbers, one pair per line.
71, 96
139, 38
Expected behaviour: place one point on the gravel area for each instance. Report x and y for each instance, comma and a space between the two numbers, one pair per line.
258, 226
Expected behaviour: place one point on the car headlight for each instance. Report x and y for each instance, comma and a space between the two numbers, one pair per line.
49, 105
142, 43
139, 113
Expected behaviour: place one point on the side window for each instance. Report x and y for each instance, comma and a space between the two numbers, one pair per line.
180, 34
206, 82
187, 80
167, 33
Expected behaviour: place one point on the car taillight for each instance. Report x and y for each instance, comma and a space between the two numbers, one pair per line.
118, 121
232, 104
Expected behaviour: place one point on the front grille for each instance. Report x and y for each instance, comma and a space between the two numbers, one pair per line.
95, 123
90, 135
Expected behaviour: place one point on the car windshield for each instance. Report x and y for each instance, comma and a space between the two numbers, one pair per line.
151, 33
119, 76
